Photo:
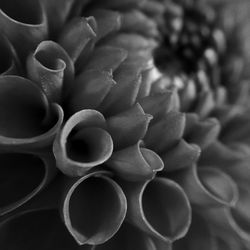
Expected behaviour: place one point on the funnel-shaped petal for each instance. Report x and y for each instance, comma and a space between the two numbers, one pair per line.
198, 237
135, 163
9, 62
180, 156
94, 208
129, 127
159, 207
51, 68
27, 119
89, 90
207, 186
36, 229
24, 23
128, 237
82, 143
166, 133
22, 177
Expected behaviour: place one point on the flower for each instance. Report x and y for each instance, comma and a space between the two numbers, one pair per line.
114, 153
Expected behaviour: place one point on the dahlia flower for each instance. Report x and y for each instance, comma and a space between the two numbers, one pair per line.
116, 135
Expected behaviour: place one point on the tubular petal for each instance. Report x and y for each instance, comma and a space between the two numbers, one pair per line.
166, 133
27, 119
207, 187
24, 23
94, 208
129, 127
23, 176
128, 237
135, 163
36, 229
83, 143
170, 219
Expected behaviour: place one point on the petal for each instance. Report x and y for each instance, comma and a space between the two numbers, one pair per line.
106, 58
135, 163
94, 208
113, 4
27, 119
128, 237
89, 90
83, 143
166, 133
166, 216
52, 69
9, 62
81, 31
36, 229
25, 25
181, 156
207, 187
129, 127
22, 177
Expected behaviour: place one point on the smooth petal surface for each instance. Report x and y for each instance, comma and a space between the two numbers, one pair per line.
22, 177
207, 187
128, 237
24, 24
166, 216
36, 229
27, 119
129, 127
83, 143
94, 208
135, 163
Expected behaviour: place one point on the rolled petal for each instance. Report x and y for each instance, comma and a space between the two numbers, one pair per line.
36, 229
166, 133
123, 95
166, 216
198, 237
82, 143
181, 156
22, 177
107, 21
82, 32
89, 90
27, 119
129, 127
128, 237
207, 187
9, 62
94, 208
52, 69
106, 58
135, 163
24, 23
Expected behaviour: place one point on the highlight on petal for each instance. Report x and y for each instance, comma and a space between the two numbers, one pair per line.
89, 90
158, 207
22, 177
27, 119
129, 127
52, 69
128, 237
9, 62
36, 229
181, 156
198, 237
207, 187
135, 163
79, 29
24, 23
94, 208
82, 143
165, 133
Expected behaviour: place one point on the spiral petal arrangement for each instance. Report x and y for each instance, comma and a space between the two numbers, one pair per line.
119, 126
